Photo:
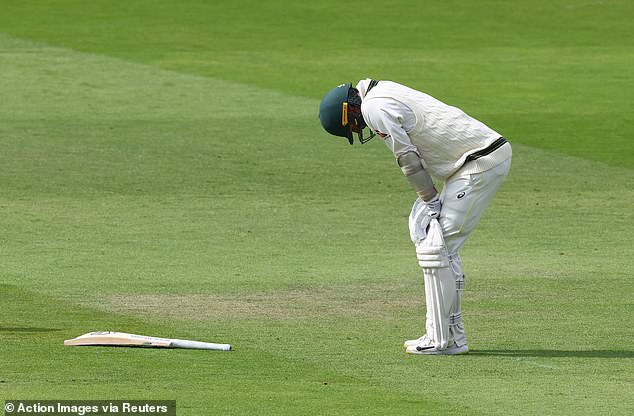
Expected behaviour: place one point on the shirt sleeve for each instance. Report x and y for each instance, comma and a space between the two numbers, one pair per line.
391, 120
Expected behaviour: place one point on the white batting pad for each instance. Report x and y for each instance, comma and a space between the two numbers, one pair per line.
440, 285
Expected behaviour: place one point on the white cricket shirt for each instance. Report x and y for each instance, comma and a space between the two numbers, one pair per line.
443, 136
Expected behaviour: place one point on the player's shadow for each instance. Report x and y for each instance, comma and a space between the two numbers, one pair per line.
555, 353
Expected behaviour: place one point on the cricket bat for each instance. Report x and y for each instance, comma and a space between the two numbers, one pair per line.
121, 339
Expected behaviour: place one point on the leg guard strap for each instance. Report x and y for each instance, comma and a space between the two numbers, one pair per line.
455, 319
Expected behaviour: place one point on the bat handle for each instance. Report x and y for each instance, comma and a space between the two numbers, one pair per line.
181, 343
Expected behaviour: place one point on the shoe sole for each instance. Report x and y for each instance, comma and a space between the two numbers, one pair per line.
449, 351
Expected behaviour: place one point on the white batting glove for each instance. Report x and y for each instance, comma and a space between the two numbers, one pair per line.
420, 217
433, 207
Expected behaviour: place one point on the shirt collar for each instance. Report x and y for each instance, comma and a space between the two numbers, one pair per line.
362, 86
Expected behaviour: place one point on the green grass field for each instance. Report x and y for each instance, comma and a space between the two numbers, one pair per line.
163, 172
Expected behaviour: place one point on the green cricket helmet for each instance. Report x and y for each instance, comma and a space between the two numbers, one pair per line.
340, 113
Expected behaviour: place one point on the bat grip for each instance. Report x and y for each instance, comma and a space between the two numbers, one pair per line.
181, 343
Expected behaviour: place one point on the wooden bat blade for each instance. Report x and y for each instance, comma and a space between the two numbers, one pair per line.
122, 339
117, 339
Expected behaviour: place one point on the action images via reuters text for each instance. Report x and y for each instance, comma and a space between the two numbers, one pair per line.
98, 407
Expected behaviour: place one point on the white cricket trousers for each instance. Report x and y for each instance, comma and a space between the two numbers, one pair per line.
464, 199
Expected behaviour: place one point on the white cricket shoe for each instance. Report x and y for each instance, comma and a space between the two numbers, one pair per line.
411, 342
427, 348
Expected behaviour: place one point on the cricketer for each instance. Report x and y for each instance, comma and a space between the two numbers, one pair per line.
432, 142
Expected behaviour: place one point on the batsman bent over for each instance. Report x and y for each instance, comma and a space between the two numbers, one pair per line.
430, 141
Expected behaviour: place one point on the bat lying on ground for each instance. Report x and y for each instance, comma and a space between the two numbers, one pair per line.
121, 339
